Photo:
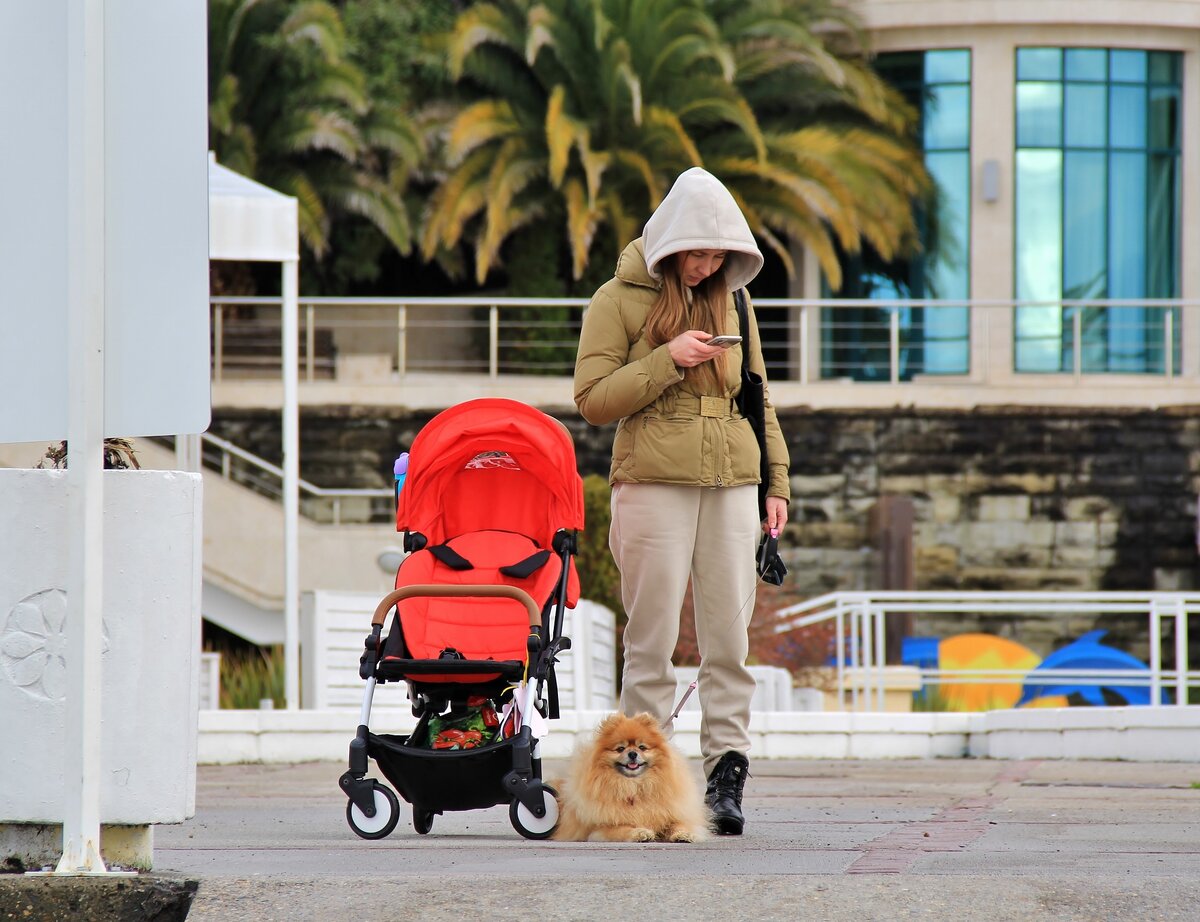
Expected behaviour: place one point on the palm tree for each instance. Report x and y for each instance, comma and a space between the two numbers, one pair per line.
288, 108
842, 164
581, 112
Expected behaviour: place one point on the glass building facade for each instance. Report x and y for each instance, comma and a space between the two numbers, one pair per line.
934, 340
1097, 208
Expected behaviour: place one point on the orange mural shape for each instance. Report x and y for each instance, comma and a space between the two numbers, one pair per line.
984, 653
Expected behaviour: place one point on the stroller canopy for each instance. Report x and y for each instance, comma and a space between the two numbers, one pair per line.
491, 464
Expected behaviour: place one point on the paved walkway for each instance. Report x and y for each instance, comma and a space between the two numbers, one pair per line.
948, 839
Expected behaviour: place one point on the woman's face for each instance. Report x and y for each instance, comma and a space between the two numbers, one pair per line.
697, 265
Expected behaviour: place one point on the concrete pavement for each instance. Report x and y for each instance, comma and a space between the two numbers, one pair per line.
833, 840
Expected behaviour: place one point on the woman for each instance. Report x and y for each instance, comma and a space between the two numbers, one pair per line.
685, 463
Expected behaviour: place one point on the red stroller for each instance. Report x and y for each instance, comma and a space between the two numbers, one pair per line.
490, 508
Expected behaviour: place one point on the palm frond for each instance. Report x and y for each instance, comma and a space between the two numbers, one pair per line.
484, 23
318, 23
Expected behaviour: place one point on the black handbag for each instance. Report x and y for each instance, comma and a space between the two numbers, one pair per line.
751, 403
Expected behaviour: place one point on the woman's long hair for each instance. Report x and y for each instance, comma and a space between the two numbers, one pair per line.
674, 312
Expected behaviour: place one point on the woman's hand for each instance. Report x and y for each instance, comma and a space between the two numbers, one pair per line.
776, 514
691, 348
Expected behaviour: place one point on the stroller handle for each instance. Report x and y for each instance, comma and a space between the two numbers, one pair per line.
436, 591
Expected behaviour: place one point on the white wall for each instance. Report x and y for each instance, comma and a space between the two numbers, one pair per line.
150, 663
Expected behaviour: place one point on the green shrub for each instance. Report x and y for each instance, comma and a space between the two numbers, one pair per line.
600, 581
251, 675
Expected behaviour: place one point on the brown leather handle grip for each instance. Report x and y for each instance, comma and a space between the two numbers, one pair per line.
467, 592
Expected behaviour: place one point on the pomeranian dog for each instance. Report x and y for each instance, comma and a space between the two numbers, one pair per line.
629, 784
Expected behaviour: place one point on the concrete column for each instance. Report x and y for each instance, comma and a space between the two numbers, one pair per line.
993, 138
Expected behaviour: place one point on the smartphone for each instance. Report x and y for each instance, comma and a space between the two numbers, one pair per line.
724, 341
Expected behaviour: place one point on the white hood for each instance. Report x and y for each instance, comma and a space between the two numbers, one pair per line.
700, 214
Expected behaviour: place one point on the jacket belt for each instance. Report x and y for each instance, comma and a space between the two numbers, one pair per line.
711, 407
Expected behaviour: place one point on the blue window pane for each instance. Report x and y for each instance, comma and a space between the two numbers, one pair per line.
1165, 67
1127, 223
1162, 231
1086, 115
1039, 334
1087, 64
1039, 225
1085, 224
1164, 117
1039, 63
947, 118
1127, 117
1128, 66
1039, 114
946, 269
948, 66
945, 336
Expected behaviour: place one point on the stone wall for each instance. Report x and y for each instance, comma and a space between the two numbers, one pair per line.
1005, 498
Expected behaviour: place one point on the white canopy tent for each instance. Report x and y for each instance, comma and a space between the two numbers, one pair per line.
249, 221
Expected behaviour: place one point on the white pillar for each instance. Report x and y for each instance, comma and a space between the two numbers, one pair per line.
85, 435
291, 485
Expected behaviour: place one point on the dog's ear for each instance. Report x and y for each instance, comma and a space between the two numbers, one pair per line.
646, 720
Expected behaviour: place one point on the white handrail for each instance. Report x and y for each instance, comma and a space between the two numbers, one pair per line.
335, 495
443, 344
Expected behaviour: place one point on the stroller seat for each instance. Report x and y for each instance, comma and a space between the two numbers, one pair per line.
468, 639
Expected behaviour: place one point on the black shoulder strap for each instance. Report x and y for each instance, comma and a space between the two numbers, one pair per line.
739, 300
450, 557
523, 569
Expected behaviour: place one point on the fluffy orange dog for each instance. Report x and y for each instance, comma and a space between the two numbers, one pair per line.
630, 785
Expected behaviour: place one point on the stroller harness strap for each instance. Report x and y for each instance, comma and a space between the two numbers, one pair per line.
450, 557
522, 569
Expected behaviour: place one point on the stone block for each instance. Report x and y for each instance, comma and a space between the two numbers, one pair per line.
1149, 745
1075, 534
1001, 508
97, 899
903, 484
889, 746
1073, 557
1090, 509
816, 485
843, 535
936, 560
946, 508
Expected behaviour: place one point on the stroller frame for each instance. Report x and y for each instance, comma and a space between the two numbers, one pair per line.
373, 809
492, 500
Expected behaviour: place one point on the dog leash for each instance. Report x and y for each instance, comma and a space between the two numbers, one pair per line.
746, 601
687, 693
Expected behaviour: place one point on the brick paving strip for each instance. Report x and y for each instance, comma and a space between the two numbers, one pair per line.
949, 830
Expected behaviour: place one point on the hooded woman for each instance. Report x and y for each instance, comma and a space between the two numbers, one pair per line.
685, 463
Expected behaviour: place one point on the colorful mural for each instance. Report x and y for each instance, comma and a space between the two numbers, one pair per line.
1087, 653
989, 653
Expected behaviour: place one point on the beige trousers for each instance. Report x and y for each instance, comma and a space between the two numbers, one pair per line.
661, 534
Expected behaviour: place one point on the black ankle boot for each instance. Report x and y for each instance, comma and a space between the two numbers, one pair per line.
724, 794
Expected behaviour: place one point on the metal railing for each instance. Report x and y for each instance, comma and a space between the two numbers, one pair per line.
321, 504
807, 340
858, 620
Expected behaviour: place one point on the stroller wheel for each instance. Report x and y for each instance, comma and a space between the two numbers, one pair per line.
422, 820
535, 827
387, 814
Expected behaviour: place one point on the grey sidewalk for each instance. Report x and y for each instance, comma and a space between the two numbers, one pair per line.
948, 839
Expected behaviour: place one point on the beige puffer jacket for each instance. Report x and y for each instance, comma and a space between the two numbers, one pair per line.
668, 432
